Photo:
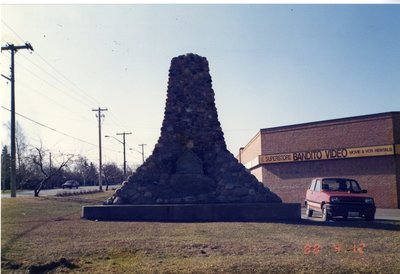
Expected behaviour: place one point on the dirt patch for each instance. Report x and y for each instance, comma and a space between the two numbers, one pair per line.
44, 268
10, 265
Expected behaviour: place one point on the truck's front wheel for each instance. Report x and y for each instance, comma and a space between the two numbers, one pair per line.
370, 217
309, 212
325, 215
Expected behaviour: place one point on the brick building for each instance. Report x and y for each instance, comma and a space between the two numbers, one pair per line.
366, 148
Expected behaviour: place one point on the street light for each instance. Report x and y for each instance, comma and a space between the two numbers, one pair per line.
123, 143
142, 145
142, 153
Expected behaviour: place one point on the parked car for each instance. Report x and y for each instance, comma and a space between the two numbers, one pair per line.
70, 184
339, 197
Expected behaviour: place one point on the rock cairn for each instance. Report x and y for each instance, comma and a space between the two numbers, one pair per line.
190, 162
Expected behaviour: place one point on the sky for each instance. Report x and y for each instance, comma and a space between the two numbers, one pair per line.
271, 65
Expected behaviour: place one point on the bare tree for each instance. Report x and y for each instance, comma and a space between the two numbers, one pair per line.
112, 174
82, 167
48, 173
5, 169
21, 148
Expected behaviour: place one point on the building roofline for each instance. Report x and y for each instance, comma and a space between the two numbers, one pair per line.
346, 120
251, 141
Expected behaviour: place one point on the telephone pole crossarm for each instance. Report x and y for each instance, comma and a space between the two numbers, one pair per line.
15, 48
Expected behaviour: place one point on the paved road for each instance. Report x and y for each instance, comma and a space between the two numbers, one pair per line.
52, 192
381, 214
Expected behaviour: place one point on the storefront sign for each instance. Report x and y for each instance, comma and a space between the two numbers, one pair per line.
327, 154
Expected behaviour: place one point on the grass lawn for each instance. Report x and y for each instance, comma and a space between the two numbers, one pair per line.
47, 235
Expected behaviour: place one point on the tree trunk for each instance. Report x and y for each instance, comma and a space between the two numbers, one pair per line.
39, 187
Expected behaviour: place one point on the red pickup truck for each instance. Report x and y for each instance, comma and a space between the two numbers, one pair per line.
339, 197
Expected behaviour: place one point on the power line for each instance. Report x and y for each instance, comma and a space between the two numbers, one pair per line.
53, 86
88, 97
62, 83
54, 101
55, 78
91, 99
72, 83
52, 67
16, 34
50, 128
55, 130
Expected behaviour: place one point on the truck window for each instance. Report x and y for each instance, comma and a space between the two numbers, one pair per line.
318, 186
312, 186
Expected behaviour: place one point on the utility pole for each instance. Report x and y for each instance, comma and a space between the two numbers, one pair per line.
142, 145
50, 163
13, 49
123, 142
99, 116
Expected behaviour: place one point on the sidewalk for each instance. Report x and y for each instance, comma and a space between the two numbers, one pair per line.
52, 192
388, 214
381, 213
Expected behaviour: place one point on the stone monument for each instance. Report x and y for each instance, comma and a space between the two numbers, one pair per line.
190, 164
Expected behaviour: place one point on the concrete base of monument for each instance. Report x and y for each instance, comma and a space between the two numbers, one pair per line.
224, 212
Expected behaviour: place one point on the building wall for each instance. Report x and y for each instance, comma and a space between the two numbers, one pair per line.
398, 180
344, 133
396, 134
251, 151
258, 172
380, 175
396, 127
